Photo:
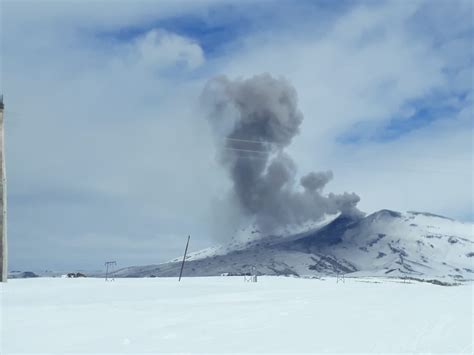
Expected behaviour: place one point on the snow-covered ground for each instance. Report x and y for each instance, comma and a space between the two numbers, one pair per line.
225, 314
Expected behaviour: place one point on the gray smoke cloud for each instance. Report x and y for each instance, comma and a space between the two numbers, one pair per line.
257, 118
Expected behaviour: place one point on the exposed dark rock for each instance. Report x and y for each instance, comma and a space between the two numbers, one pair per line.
396, 250
376, 240
75, 274
22, 275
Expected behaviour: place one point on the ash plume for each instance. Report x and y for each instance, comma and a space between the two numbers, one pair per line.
257, 118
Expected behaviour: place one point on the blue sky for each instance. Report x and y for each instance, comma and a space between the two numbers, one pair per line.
110, 156
423, 112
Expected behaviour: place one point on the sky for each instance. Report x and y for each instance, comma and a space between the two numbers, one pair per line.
110, 157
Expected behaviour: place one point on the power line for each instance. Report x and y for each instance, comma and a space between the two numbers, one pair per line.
247, 140
381, 169
252, 157
247, 150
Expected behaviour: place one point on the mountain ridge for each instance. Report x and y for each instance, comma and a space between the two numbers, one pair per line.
386, 242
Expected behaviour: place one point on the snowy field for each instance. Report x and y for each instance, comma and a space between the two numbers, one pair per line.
224, 314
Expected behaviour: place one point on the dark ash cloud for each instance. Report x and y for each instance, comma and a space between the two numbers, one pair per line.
257, 118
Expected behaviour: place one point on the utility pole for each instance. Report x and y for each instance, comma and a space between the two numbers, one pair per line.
3, 202
184, 259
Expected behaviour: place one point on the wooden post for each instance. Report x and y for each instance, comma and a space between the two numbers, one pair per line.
184, 258
3, 202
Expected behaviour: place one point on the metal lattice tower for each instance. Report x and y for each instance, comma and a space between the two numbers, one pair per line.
110, 269
340, 277
3, 201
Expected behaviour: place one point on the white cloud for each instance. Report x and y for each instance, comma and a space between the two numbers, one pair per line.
366, 68
103, 121
160, 49
99, 141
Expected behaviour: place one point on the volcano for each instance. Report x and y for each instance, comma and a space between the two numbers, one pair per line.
385, 243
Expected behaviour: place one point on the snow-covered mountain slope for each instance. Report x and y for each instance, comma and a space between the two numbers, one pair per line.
384, 243
251, 236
